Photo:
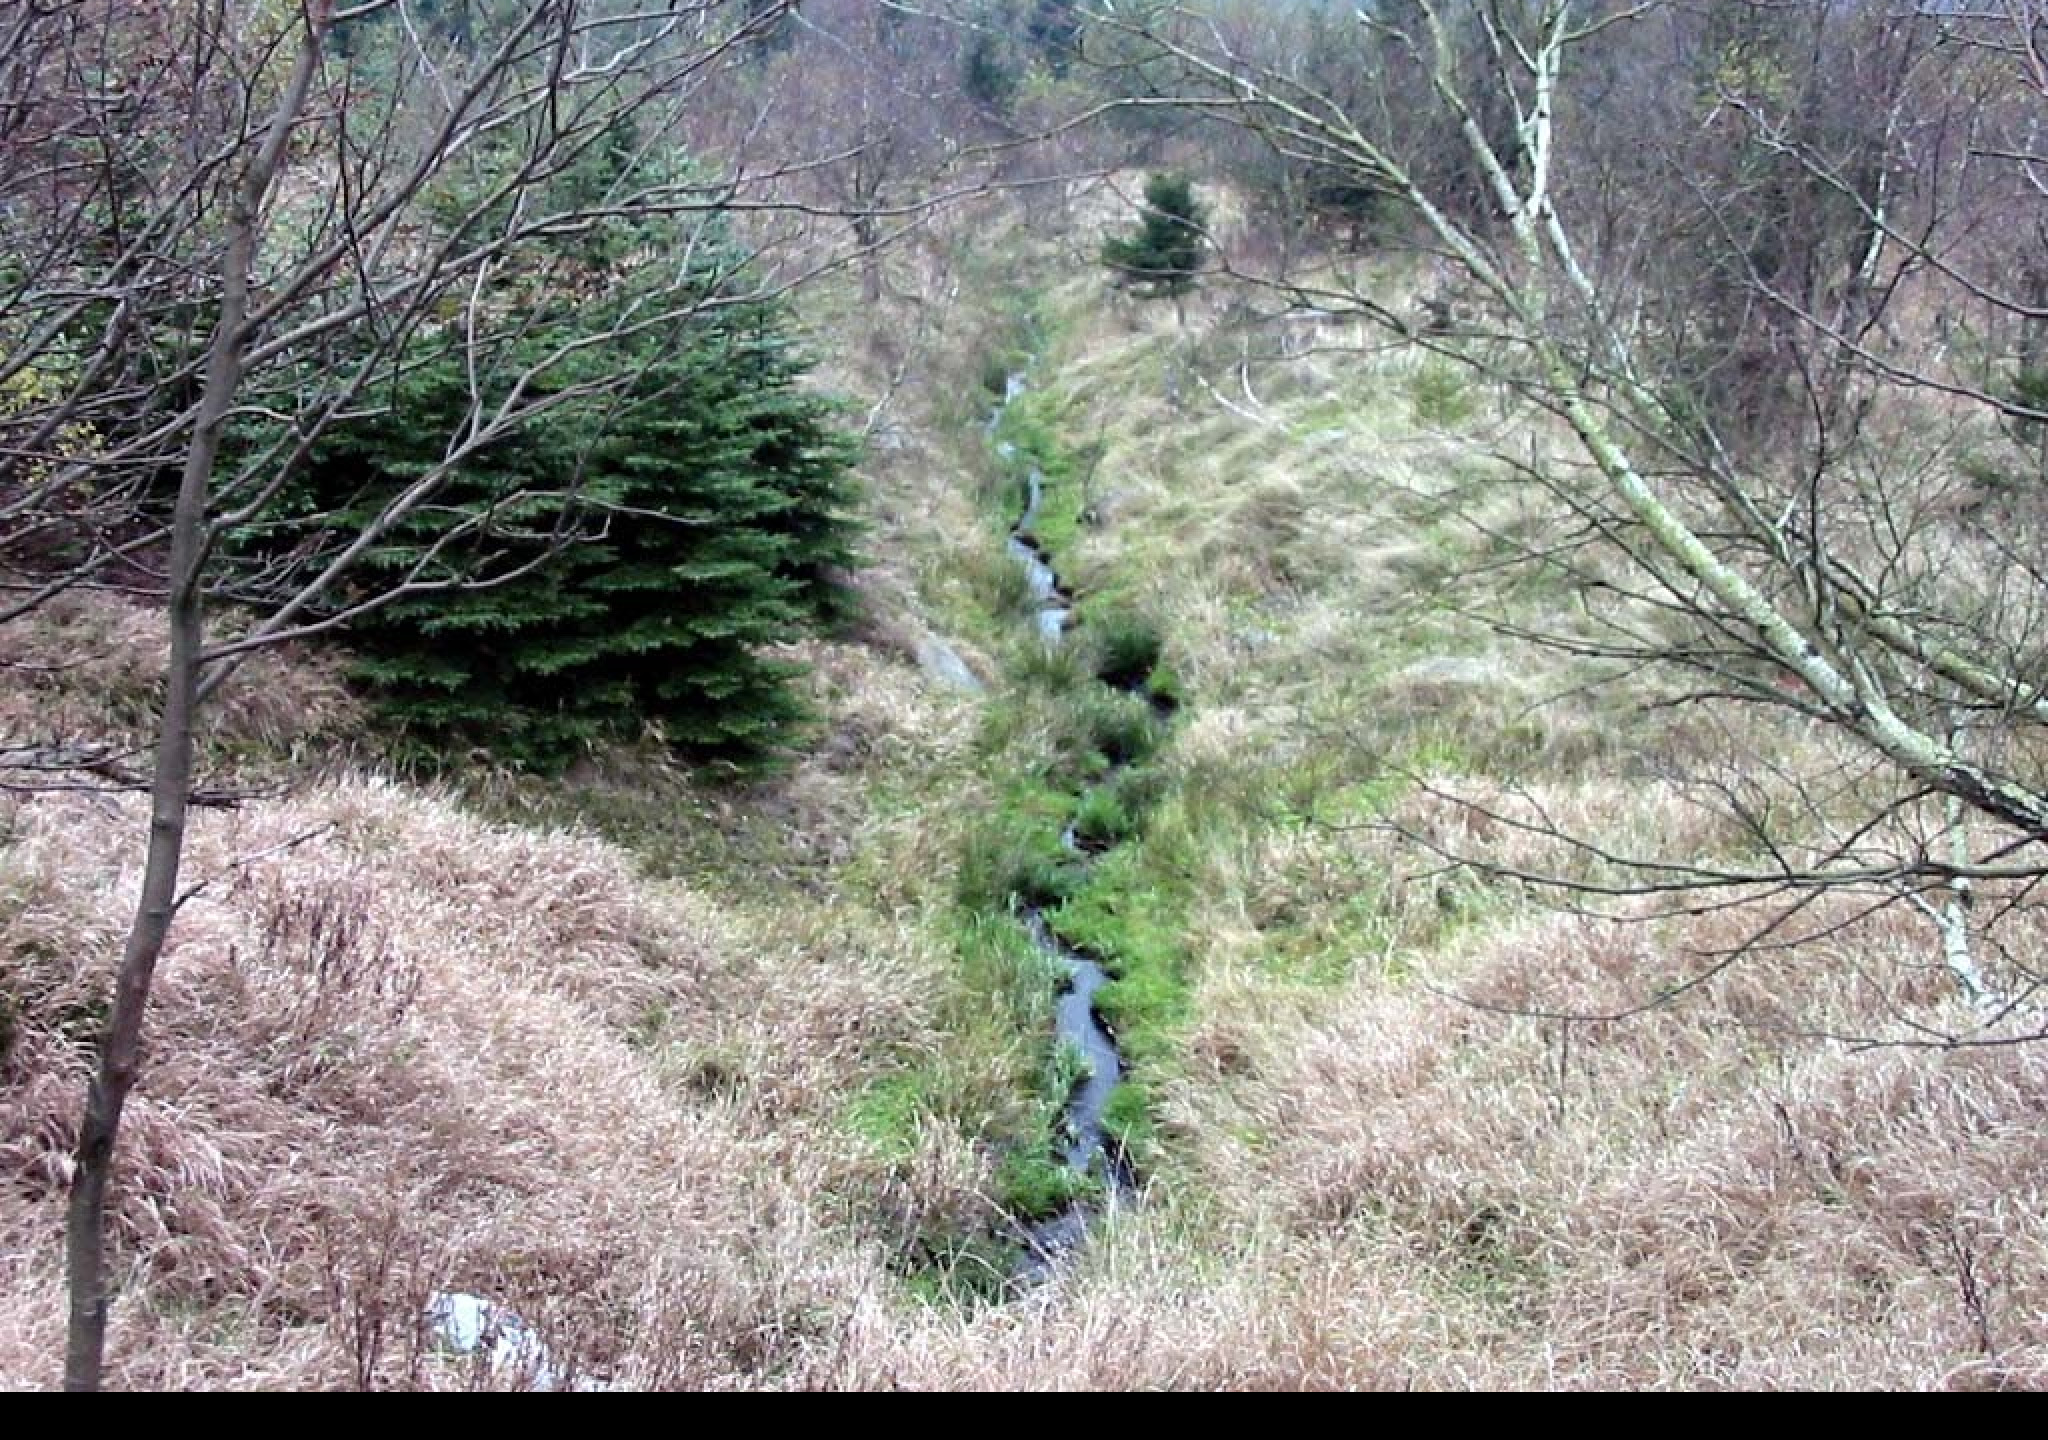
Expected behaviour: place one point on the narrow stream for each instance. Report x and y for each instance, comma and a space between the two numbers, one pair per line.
1055, 606
1088, 1149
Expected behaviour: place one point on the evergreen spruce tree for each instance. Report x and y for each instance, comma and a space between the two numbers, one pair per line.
657, 541
986, 74
1054, 29
1164, 255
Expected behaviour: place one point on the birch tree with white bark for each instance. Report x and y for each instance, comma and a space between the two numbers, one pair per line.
1800, 562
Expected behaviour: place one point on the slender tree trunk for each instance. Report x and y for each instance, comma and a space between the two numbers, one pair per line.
171, 790
121, 1047
867, 235
2033, 348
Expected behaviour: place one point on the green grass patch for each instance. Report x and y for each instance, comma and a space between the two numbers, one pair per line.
1013, 851
1035, 1185
1132, 918
1332, 412
960, 1272
1115, 811
1030, 426
1128, 1119
1164, 688
1125, 648
1005, 981
1053, 670
891, 1111
1103, 819
1119, 729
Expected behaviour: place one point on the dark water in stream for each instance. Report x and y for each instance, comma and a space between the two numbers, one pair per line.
1087, 1148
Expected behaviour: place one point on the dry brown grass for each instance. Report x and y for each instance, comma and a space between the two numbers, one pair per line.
1694, 1197
414, 1051
396, 1049
86, 668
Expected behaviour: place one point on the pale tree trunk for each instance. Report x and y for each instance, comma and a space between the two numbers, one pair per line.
867, 236
1951, 917
120, 1055
1850, 689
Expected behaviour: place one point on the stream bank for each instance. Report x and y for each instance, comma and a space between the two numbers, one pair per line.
1091, 1156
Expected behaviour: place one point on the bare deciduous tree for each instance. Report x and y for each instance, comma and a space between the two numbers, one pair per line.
1768, 265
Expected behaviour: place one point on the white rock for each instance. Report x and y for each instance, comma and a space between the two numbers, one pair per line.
472, 1325
943, 663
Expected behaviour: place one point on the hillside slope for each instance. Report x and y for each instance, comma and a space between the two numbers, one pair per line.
722, 1086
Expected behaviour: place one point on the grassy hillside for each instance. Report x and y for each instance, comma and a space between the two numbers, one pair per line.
1370, 1168
729, 1086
